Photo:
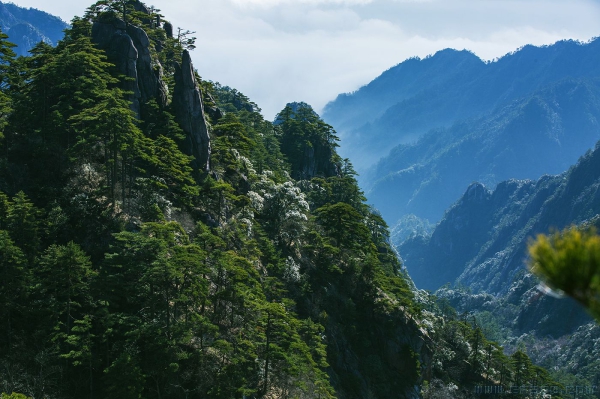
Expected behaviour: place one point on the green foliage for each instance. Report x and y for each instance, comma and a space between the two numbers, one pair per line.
14, 282
344, 225
22, 223
124, 9
64, 283
143, 279
6, 57
108, 129
13, 396
464, 357
308, 143
570, 262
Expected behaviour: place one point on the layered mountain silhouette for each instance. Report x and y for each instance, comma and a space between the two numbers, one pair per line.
476, 256
482, 240
543, 133
469, 160
417, 95
453, 119
28, 26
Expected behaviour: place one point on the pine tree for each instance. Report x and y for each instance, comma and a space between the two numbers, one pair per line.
569, 261
6, 104
13, 289
108, 130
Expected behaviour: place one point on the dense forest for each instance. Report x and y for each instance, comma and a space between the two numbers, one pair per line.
160, 239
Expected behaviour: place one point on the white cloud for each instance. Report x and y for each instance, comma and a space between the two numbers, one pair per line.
276, 51
65, 9
338, 50
276, 3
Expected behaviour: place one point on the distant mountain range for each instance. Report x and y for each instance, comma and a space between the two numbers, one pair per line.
481, 244
417, 95
469, 160
28, 26
475, 258
451, 119
482, 240
543, 133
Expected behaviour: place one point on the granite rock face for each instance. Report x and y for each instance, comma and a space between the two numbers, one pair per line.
189, 112
128, 47
150, 72
141, 7
26, 36
168, 29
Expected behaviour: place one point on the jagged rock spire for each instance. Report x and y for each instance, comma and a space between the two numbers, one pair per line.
189, 112
128, 47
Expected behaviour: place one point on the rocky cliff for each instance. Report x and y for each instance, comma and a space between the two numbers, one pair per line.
135, 56
128, 47
189, 112
481, 243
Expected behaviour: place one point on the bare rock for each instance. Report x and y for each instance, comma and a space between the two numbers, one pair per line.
128, 47
168, 29
150, 72
189, 113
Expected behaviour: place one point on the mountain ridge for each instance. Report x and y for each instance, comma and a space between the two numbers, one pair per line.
544, 133
156, 245
28, 26
405, 101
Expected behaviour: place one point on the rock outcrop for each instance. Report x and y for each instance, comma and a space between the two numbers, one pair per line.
128, 47
189, 112
168, 29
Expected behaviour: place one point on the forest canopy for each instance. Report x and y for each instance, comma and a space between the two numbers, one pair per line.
128, 271
160, 239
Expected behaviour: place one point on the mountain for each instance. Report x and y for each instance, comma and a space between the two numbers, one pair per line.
481, 243
160, 239
482, 239
28, 26
507, 132
475, 260
543, 133
459, 119
418, 95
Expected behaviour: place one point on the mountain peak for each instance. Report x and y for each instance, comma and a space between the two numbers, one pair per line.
418, 95
28, 26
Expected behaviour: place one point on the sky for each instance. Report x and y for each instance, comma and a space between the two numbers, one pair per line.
279, 51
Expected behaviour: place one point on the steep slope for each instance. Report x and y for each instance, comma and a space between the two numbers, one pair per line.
481, 240
160, 239
475, 260
403, 82
153, 243
28, 26
417, 95
543, 133
481, 244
